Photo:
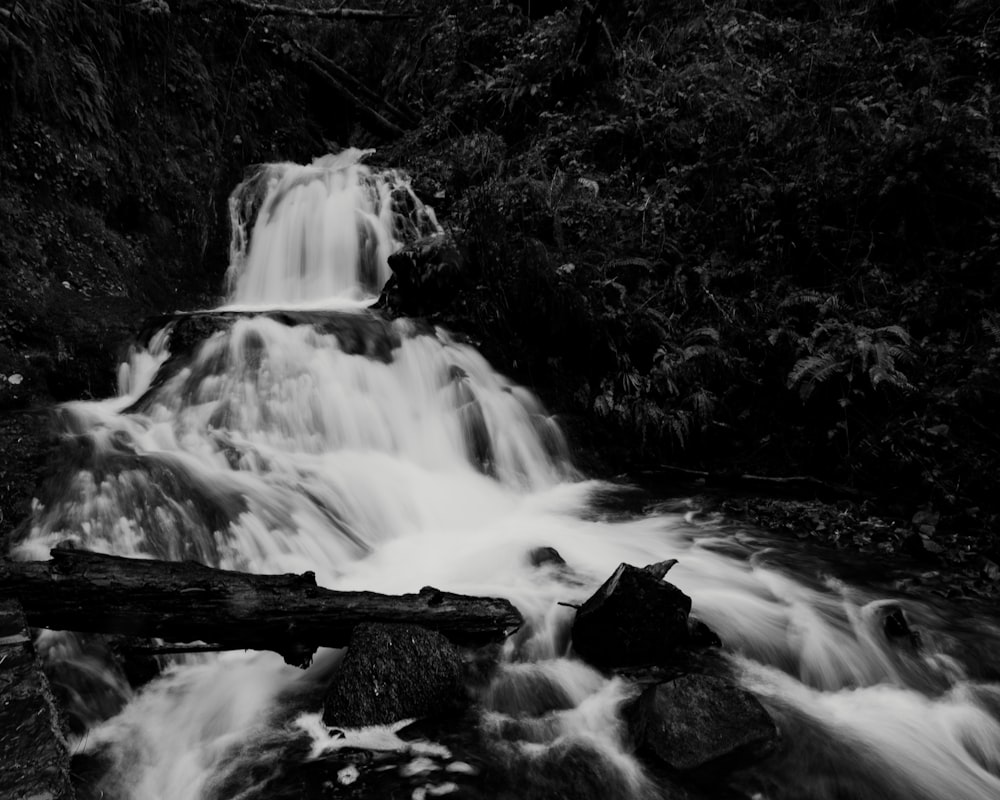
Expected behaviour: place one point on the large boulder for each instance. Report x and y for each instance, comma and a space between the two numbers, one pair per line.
395, 672
697, 720
634, 619
427, 275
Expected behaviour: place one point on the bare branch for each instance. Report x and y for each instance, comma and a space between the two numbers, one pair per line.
277, 10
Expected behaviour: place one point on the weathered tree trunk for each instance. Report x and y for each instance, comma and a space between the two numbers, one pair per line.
187, 602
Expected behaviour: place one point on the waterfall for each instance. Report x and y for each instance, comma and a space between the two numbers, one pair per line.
321, 233
387, 456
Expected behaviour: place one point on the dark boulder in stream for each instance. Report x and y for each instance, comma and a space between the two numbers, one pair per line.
897, 629
395, 672
699, 720
427, 274
634, 619
546, 556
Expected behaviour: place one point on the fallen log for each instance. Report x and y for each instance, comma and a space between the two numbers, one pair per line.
793, 485
278, 10
188, 602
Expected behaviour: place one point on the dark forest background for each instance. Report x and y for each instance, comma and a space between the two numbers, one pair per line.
728, 236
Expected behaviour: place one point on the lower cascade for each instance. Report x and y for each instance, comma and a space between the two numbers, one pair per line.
304, 432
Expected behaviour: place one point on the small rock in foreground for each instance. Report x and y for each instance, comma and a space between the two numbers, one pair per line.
395, 672
698, 720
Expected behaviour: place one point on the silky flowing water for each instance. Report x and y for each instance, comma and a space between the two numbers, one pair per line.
407, 462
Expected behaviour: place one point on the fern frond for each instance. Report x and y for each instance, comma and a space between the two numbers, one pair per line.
811, 371
702, 335
829, 305
556, 188
649, 418
636, 261
828, 329
865, 346
694, 351
991, 324
703, 404
664, 377
891, 377
882, 357
679, 427
630, 380
797, 299
899, 333
900, 353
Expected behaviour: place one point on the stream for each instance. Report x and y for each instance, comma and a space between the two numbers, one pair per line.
402, 460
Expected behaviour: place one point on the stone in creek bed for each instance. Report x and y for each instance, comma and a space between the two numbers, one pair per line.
697, 720
546, 556
395, 672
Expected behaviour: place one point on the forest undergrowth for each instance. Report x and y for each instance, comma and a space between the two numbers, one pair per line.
744, 236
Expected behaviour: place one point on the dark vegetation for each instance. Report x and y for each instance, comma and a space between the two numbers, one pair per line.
733, 235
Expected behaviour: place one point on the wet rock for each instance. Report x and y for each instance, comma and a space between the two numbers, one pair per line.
395, 672
700, 635
635, 618
698, 720
920, 547
660, 569
569, 768
897, 628
34, 755
546, 556
427, 274
529, 689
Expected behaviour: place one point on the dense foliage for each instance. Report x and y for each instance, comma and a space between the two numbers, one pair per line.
751, 235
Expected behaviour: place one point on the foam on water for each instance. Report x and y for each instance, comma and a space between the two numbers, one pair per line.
278, 448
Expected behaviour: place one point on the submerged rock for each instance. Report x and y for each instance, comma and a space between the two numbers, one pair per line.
697, 720
897, 629
546, 556
395, 672
634, 619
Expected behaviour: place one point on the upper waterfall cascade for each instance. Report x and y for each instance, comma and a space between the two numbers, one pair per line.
321, 232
